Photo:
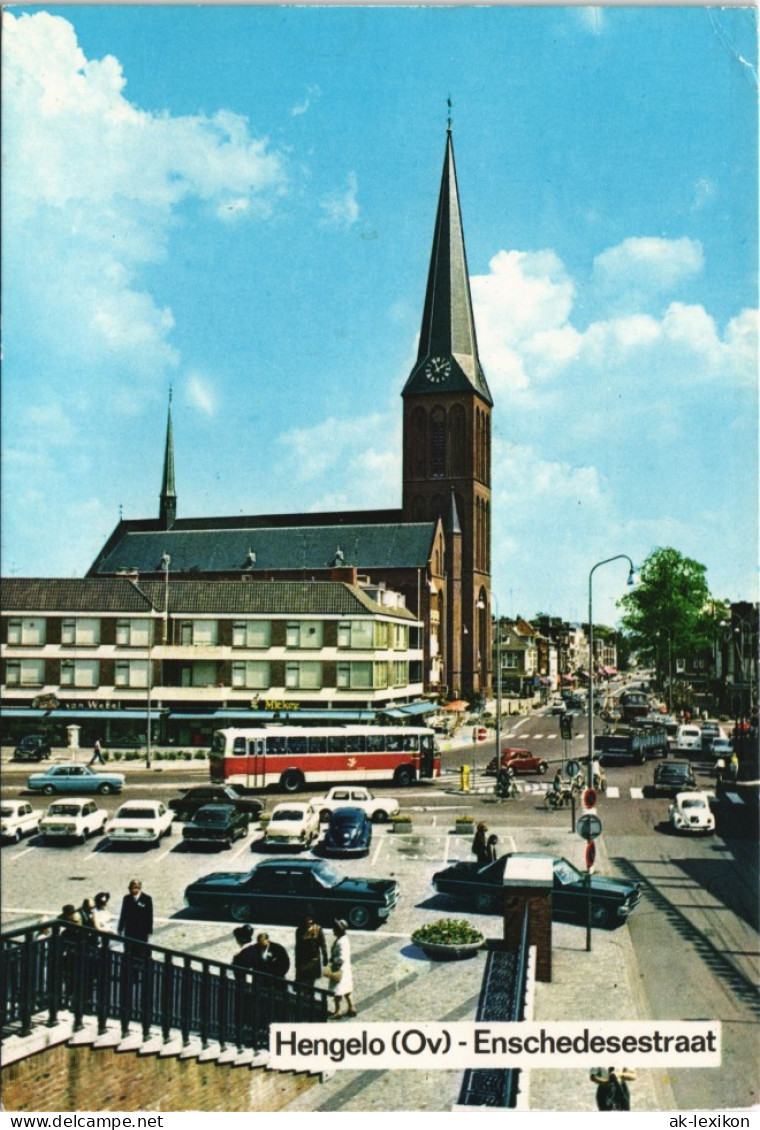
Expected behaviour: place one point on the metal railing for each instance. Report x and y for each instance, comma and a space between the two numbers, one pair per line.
502, 997
52, 968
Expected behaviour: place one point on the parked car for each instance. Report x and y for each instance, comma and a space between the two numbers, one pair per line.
377, 808
348, 833
293, 822
671, 777
480, 887
74, 779
711, 732
216, 824
140, 822
187, 805
75, 818
32, 747
688, 737
17, 819
691, 813
282, 890
519, 761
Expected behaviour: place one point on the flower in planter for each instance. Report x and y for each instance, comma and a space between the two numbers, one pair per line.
448, 932
464, 820
401, 818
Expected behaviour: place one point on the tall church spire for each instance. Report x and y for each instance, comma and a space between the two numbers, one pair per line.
447, 360
167, 513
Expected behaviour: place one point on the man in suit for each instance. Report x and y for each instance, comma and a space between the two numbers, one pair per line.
136, 918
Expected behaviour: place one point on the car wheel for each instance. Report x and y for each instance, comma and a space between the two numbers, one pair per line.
358, 917
543, 767
49, 790
17, 837
379, 817
241, 912
105, 789
485, 903
324, 815
404, 776
291, 781
600, 915
82, 837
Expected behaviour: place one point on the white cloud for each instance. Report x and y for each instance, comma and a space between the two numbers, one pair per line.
592, 19
200, 394
341, 208
302, 107
641, 268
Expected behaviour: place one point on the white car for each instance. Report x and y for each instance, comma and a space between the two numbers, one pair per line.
690, 812
294, 822
377, 808
17, 819
74, 818
140, 822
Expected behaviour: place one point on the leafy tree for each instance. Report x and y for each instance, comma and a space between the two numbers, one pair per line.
666, 614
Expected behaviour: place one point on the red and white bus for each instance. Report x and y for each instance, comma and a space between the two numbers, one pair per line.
293, 756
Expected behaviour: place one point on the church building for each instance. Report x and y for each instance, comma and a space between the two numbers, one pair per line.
435, 550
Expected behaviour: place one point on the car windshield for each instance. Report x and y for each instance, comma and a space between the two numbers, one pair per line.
133, 813
6, 811
212, 816
325, 874
693, 802
288, 814
565, 873
64, 810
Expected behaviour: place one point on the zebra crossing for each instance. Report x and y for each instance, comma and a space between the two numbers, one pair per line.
481, 785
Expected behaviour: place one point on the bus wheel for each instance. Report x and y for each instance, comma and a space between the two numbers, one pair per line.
291, 781
404, 776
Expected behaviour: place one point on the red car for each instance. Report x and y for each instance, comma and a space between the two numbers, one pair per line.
519, 761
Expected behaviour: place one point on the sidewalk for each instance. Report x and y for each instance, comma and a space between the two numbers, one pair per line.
394, 982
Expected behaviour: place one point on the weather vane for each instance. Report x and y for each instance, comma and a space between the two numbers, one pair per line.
448, 122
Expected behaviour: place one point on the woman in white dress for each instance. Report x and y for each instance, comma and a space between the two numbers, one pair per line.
102, 919
340, 973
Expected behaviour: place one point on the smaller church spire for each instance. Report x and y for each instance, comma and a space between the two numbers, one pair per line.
167, 513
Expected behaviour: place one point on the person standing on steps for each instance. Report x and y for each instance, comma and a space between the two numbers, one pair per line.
340, 973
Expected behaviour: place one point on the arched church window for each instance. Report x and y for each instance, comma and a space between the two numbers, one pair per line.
438, 443
457, 430
417, 441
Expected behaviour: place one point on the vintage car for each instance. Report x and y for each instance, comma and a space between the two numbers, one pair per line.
17, 819
691, 813
185, 806
348, 833
218, 824
282, 890
473, 886
32, 747
75, 818
140, 822
519, 761
293, 822
671, 777
377, 808
74, 779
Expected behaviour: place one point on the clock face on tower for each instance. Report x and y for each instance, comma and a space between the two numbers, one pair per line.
437, 369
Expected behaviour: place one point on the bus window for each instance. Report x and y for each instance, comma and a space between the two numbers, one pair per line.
394, 743
317, 744
336, 743
277, 745
411, 743
238, 747
355, 743
375, 743
297, 745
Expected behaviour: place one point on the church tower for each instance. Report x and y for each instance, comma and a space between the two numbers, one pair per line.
167, 513
447, 444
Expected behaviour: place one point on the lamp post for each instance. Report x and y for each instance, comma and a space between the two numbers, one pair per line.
165, 563
631, 581
149, 719
498, 682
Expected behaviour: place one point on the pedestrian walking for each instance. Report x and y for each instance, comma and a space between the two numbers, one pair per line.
340, 972
136, 917
102, 919
492, 848
612, 1091
269, 957
244, 958
310, 951
86, 912
480, 843
97, 754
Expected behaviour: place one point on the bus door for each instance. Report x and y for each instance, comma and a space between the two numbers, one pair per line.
256, 769
427, 756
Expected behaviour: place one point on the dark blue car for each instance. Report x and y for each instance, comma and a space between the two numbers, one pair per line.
348, 833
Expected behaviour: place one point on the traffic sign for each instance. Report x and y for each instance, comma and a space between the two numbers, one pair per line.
572, 769
480, 734
589, 826
589, 798
590, 854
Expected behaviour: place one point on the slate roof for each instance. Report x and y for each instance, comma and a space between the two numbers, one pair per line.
123, 595
398, 545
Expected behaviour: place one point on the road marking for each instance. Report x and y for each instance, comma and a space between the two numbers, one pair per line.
537, 737
637, 793
551, 737
613, 791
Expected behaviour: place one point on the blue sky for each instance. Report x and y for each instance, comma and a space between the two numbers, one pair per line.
239, 202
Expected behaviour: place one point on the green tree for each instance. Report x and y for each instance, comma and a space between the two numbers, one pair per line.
666, 614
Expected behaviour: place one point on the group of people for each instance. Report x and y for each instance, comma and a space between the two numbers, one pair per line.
135, 918
484, 847
312, 959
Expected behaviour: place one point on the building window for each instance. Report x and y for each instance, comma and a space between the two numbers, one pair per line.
80, 632
198, 633
304, 633
400, 637
80, 672
133, 633
25, 672
26, 632
251, 675
510, 660
304, 676
355, 676
356, 634
131, 673
438, 443
400, 673
251, 633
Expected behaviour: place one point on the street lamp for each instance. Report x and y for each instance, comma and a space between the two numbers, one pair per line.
165, 563
498, 681
631, 581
